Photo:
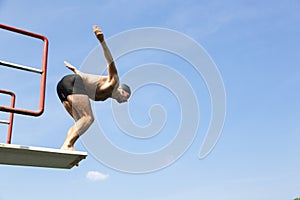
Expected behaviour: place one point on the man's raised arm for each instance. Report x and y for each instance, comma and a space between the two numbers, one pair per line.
111, 67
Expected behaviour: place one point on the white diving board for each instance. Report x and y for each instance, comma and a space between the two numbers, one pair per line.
11, 154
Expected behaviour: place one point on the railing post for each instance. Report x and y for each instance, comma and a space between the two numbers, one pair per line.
11, 116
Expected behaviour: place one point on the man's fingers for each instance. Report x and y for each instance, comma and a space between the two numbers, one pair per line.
66, 63
69, 65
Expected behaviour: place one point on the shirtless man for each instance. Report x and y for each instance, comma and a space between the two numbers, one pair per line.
76, 89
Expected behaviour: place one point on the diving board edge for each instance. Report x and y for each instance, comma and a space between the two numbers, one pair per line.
11, 154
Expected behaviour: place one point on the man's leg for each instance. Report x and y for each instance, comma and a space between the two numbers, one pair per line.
79, 107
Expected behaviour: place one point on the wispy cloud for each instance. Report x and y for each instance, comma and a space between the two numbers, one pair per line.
96, 176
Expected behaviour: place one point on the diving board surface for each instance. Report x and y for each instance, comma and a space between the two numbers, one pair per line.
11, 154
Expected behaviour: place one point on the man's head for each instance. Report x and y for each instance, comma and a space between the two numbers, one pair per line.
123, 93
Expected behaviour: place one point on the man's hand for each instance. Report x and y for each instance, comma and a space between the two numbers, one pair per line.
71, 67
99, 34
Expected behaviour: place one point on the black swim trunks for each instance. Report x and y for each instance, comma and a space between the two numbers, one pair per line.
70, 84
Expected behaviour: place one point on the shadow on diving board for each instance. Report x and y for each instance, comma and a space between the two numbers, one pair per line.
39, 157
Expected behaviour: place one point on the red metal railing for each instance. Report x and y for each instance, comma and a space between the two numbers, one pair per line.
11, 116
43, 72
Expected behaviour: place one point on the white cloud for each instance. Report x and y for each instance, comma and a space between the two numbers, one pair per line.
96, 176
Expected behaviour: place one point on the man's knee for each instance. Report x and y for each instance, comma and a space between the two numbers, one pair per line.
89, 119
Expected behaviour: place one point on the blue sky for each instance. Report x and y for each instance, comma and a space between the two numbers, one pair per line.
255, 45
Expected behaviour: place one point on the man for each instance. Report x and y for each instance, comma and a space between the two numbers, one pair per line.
76, 89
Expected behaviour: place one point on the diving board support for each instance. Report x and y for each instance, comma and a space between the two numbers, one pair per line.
39, 157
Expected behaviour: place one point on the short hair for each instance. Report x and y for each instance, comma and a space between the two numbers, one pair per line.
126, 88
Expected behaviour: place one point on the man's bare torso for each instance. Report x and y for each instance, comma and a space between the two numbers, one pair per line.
98, 87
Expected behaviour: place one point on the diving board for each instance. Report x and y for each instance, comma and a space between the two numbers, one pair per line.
11, 154
25, 155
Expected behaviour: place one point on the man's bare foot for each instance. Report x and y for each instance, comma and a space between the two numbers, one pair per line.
99, 34
67, 148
